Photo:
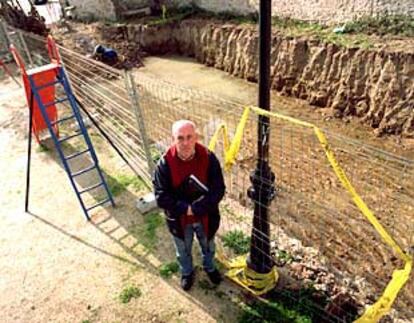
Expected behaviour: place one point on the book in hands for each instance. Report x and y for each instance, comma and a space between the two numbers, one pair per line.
191, 189
197, 184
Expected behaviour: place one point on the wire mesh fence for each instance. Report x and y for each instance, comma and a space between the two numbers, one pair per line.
312, 208
318, 235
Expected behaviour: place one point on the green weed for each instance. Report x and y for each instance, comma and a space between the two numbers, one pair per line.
302, 306
169, 269
119, 183
147, 233
402, 25
237, 241
284, 257
155, 154
206, 286
42, 149
129, 293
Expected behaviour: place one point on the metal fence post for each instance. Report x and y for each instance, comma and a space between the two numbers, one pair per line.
26, 49
133, 95
6, 33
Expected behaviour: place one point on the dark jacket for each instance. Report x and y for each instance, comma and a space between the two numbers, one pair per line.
173, 204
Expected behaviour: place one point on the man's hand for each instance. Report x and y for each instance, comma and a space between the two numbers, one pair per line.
189, 210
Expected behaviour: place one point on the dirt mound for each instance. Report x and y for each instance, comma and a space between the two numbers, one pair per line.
83, 38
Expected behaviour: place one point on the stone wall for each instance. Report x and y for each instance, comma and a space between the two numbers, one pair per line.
325, 11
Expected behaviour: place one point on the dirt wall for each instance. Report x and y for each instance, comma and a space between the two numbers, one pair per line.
375, 85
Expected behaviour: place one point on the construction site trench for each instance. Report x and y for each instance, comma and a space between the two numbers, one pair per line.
362, 98
374, 85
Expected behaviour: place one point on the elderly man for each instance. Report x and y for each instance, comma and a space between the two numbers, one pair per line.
189, 185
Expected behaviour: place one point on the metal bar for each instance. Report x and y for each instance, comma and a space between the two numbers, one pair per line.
47, 85
29, 153
62, 120
83, 171
77, 154
55, 102
90, 188
6, 33
131, 89
98, 204
26, 49
76, 134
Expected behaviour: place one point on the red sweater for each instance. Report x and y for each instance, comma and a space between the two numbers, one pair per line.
181, 170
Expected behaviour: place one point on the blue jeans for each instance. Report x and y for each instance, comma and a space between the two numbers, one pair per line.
184, 247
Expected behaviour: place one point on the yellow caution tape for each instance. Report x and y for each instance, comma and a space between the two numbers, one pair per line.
383, 305
238, 269
230, 151
256, 283
213, 141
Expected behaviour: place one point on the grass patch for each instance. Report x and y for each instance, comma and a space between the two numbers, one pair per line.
129, 293
237, 241
302, 306
169, 269
119, 183
206, 286
402, 25
354, 34
155, 154
284, 257
274, 312
146, 234
42, 149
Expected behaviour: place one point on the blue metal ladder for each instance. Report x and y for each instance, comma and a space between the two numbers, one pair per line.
62, 79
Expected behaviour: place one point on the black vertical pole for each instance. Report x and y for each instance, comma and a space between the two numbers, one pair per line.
262, 178
29, 152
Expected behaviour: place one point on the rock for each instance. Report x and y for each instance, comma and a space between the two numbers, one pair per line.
341, 306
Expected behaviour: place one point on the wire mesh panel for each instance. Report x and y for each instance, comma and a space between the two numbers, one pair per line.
313, 207
102, 91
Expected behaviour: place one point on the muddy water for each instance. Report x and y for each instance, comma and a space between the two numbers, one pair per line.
189, 73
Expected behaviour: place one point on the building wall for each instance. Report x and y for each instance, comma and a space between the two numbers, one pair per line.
94, 9
105, 9
131, 4
325, 11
